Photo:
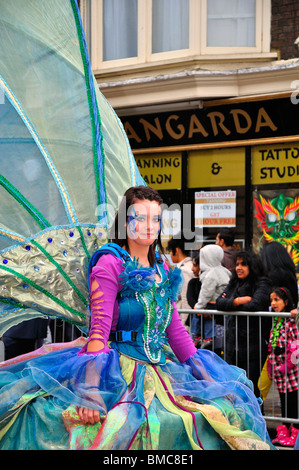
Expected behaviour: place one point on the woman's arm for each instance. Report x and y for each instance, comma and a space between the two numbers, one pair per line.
97, 341
206, 293
104, 289
260, 299
178, 337
225, 301
192, 291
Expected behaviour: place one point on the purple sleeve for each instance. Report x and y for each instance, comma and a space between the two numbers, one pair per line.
179, 339
103, 304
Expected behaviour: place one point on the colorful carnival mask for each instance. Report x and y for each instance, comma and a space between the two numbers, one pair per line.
279, 221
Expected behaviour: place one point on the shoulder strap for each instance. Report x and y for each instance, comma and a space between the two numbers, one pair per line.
112, 249
108, 248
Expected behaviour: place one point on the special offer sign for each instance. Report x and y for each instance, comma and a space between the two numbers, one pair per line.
215, 208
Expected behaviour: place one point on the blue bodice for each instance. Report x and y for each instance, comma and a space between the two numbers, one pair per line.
145, 308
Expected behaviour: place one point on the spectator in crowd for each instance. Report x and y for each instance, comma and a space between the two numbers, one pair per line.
194, 283
282, 367
24, 337
280, 268
248, 290
180, 256
214, 278
281, 271
225, 238
193, 290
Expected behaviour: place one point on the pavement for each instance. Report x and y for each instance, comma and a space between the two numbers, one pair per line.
272, 409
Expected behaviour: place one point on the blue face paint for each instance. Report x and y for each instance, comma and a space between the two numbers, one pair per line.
158, 219
134, 218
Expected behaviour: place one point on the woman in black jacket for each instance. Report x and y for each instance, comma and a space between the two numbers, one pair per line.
280, 268
247, 336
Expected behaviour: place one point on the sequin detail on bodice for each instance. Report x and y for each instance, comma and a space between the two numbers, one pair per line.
147, 304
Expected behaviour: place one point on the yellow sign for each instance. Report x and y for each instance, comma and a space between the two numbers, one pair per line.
217, 167
162, 171
277, 163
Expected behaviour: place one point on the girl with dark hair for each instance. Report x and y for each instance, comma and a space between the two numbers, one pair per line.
138, 382
281, 271
282, 363
247, 290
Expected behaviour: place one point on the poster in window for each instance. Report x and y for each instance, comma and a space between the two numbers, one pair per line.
276, 218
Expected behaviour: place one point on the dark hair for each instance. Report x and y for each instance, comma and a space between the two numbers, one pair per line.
195, 257
228, 235
118, 232
256, 267
274, 255
285, 295
179, 241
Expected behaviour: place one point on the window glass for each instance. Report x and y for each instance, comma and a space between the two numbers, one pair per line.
120, 20
170, 25
231, 23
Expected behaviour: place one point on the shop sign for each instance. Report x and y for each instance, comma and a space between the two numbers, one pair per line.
217, 167
220, 123
215, 208
273, 164
161, 171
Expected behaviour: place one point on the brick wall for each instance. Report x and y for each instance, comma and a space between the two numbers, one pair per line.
285, 28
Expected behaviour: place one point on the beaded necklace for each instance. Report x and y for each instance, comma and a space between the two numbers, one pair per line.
154, 331
276, 330
156, 297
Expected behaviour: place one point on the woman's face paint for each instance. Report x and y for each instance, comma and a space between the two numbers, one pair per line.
144, 221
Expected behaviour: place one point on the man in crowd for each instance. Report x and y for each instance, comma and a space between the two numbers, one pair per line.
180, 256
225, 238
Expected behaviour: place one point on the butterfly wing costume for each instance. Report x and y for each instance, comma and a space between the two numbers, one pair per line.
65, 163
58, 183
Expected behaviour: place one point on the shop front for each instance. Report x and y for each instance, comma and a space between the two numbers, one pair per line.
226, 163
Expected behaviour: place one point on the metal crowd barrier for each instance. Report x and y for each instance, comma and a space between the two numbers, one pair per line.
271, 404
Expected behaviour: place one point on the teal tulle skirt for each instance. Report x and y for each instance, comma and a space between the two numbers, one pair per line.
201, 404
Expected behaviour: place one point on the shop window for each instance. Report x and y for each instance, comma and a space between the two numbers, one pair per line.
235, 26
216, 191
231, 23
120, 23
134, 33
170, 25
275, 173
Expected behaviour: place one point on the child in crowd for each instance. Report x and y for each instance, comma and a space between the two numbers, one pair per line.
282, 363
214, 278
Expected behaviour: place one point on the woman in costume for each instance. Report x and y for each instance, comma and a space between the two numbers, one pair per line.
138, 382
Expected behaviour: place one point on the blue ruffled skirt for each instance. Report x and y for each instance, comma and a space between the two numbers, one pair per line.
201, 404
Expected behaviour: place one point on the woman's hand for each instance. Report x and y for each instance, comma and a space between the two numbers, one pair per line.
88, 416
242, 300
294, 312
